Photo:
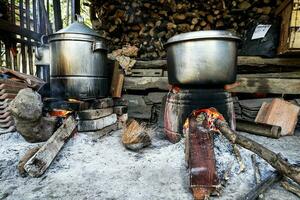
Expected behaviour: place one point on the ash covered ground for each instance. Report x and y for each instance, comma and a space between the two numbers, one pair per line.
88, 168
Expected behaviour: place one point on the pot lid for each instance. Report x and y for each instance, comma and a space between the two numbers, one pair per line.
208, 34
78, 28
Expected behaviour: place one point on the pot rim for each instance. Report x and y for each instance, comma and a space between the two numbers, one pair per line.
202, 35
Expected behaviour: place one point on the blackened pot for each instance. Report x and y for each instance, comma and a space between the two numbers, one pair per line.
202, 58
78, 63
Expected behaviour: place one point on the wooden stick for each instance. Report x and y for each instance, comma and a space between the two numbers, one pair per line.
275, 160
256, 128
291, 187
257, 174
262, 187
24, 160
38, 163
239, 158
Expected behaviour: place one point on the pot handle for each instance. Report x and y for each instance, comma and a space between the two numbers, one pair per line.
96, 46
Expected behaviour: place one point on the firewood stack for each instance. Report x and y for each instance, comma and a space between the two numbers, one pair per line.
149, 24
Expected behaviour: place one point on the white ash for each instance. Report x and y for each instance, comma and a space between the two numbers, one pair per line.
103, 169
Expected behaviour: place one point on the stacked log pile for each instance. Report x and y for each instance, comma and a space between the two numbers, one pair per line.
148, 24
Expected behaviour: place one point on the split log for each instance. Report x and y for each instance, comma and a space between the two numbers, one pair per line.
201, 161
275, 160
39, 162
263, 186
117, 81
257, 128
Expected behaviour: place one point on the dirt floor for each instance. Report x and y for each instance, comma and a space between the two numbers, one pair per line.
89, 168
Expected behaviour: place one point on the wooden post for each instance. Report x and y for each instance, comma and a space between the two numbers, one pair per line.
75, 5
57, 15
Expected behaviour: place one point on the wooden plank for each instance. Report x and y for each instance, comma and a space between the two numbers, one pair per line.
117, 81
8, 57
40, 161
27, 8
146, 72
288, 75
265, 85
24, 60
34, 13
281, 113
258, 61
30, 59
143, 83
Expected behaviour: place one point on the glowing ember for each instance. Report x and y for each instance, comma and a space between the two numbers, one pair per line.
60, 113
175, 89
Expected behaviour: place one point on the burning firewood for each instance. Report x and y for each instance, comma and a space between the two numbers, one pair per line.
200, 158
135, 136
41, 160
210, 120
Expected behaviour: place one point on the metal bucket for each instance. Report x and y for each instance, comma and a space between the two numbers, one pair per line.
180, 105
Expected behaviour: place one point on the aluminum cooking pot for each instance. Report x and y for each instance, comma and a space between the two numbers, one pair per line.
78, 63
202, 58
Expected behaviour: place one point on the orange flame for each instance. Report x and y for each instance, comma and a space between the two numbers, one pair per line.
60, 113
175, 89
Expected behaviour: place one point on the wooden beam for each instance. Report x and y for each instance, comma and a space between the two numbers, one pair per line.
267, 85
259, 61
252, 61
7, 27
143, 83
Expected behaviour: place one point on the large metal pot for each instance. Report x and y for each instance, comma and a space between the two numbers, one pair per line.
202, 58
78, 63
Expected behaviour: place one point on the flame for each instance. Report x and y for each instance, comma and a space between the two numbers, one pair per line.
60, 113
205, 117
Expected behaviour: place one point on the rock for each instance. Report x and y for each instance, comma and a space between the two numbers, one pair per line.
27, 105
26, 110
38, 131
135, 136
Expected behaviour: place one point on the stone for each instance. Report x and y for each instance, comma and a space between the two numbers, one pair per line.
27, 105
96, 124
38, 131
